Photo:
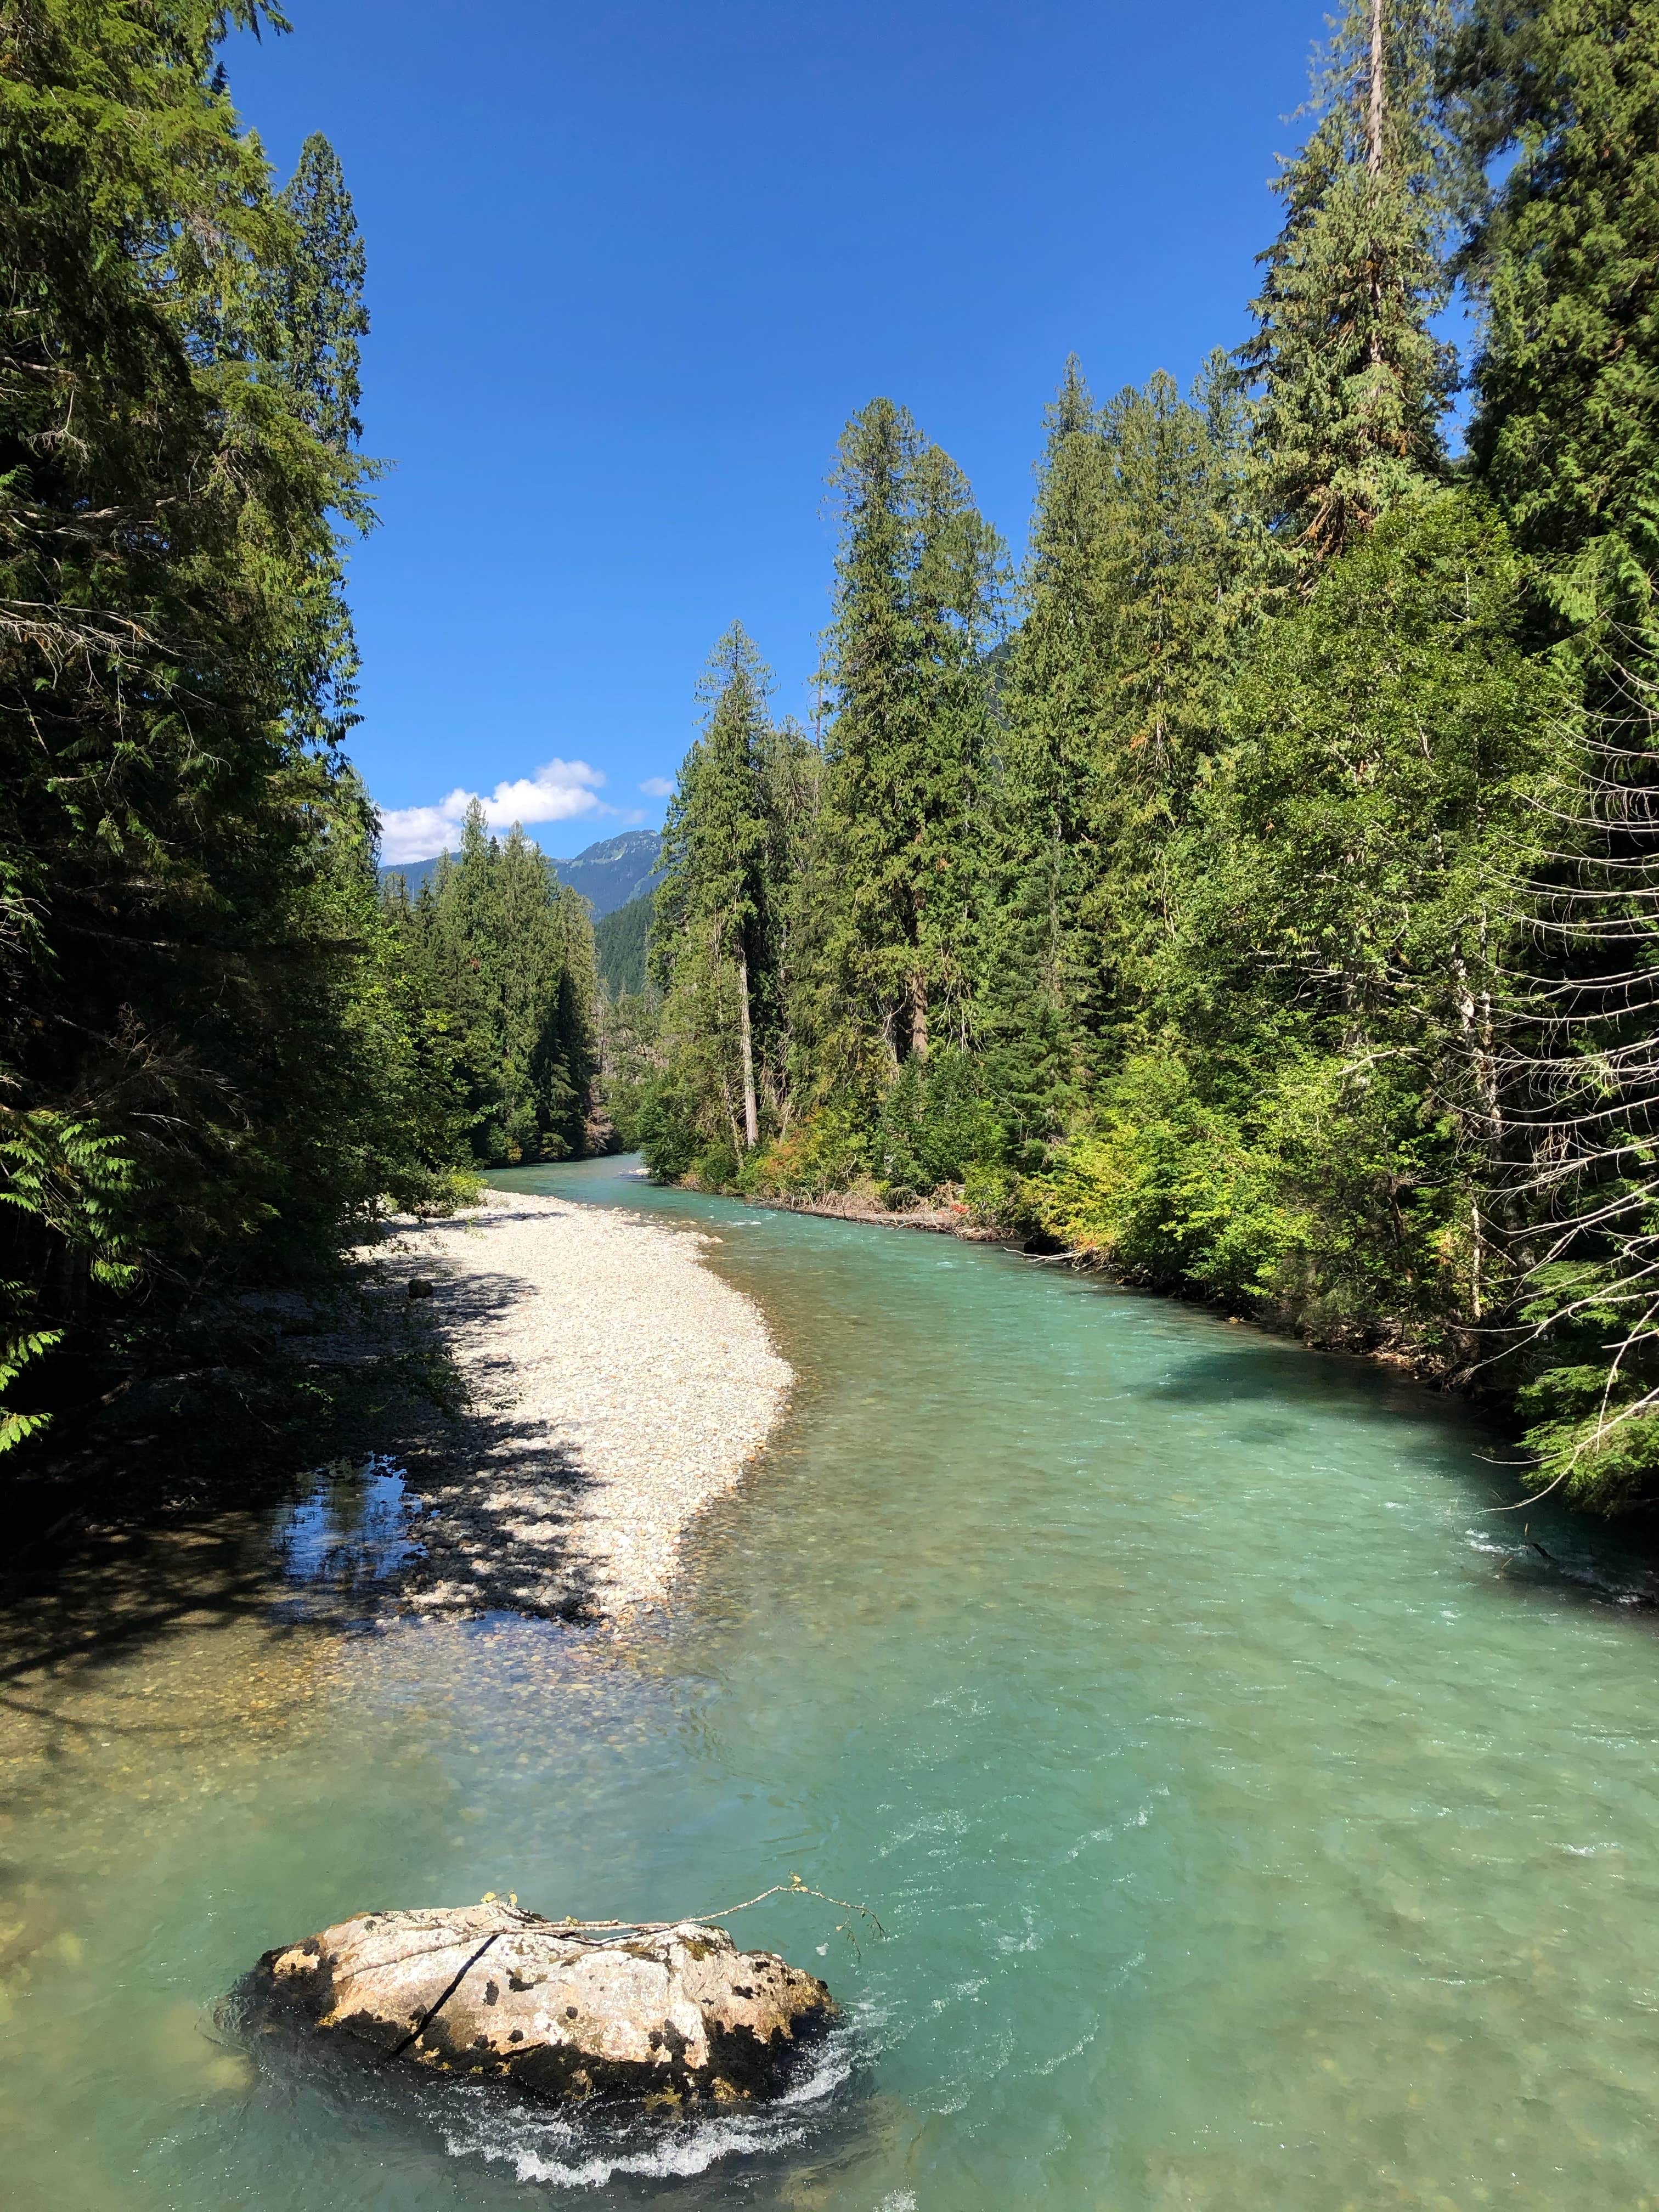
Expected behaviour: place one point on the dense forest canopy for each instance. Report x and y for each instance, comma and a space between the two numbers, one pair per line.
1250, 887
1254, 890
219, 1055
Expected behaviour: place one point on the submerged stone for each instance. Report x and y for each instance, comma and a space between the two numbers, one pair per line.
488, 1992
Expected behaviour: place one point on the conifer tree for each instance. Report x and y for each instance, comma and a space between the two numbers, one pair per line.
1055, 698
916, 584
320, 321
789, 964
1133, 598
565, 1061
711, 900
198, 1073
1564, 258
506, 962
1170, 555
1353, 383
320, 297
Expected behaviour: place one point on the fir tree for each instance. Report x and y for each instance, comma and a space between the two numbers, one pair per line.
1352, 384
794, 918
1563, 259
200, 1072
506, 962
1565, 433
1170, 557
1054, 696
1113, 695
711, 896
319, 321
319, 302
916, 583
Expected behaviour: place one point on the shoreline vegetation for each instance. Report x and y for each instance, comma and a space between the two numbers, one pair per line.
1251, 888
947, 1214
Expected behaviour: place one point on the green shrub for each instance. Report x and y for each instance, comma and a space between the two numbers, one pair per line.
937, 1124
716, 1166
1168, 1189
825, 1152
664, 1130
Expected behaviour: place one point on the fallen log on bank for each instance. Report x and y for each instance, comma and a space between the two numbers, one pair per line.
558, 2010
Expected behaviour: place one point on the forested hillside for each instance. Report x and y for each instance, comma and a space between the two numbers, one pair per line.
1250, 887
619, 941
219, 1055
500, 957
1253, 888
614, 872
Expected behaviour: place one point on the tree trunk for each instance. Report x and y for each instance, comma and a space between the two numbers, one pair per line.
917, 1014
750, 1117
1374, 119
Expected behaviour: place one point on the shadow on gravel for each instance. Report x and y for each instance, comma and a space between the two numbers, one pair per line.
500, 1505
313, 1466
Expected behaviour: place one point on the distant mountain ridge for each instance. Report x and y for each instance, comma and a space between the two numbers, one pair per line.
616, 870
608, 875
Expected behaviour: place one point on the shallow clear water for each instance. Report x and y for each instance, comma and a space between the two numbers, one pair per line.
1255, 1821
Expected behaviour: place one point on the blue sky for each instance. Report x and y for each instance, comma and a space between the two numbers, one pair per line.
631, 266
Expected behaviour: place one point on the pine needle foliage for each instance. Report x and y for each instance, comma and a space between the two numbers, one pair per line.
204, 1077
727, 925
1268, 914
502, 963
916, 609
1563, 259
1352, 384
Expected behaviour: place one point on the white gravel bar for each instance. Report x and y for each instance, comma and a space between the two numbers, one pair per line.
617, 1385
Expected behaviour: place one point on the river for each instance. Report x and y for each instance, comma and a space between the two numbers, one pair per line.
1254, 1820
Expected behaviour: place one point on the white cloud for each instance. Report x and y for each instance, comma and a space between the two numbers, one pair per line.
556, 792
658, 786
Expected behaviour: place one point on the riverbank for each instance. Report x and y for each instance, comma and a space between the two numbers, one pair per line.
952, 1220
1082, 1636
1452, 1363
615, 1386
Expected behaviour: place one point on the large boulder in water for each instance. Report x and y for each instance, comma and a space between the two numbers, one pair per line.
552, 2009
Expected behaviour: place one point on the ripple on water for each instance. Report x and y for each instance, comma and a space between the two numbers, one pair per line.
1257, 1819
586, 2150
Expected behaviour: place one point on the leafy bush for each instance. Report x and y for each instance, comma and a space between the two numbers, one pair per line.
825, 1152
665, 1129
715, 1167
1325, 1194
1169, 1190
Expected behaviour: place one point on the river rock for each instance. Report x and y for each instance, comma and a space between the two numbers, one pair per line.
488, 1992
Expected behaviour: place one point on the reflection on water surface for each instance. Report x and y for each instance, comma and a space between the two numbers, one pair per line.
1259, 1820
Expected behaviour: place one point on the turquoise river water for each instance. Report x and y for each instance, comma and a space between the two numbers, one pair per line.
1255, 1820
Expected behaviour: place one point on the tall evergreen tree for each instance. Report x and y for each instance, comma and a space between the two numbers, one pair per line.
505, 959
320, 319
1564, 257
1353, 383
1054, 697
793, 917
1112, 697
196, 1060
710, 901
916, 610
1172, 556
320, 296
